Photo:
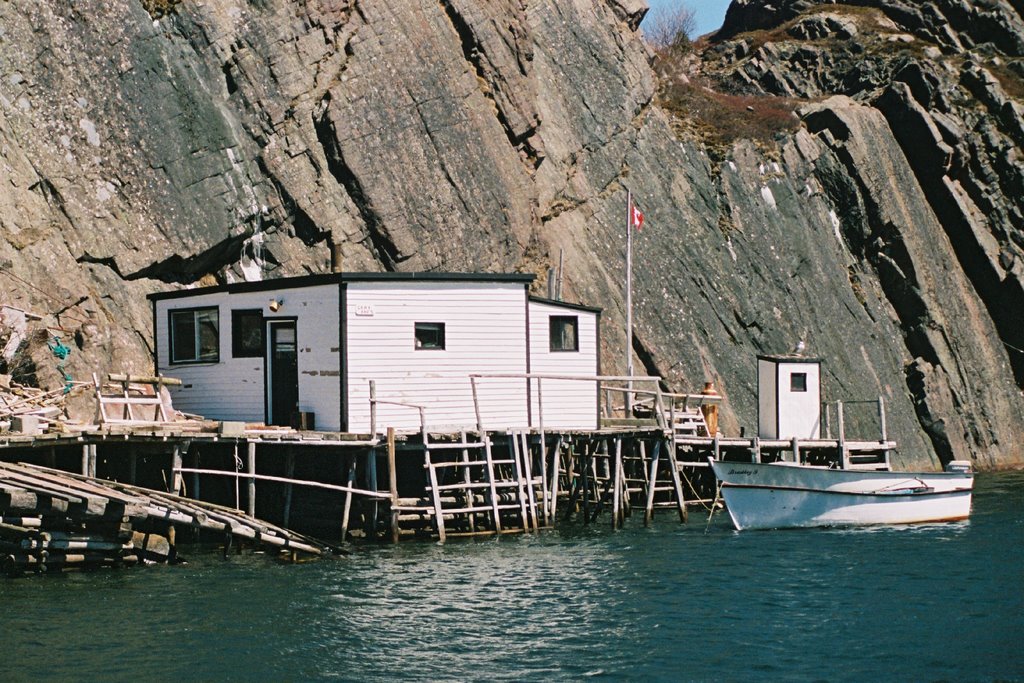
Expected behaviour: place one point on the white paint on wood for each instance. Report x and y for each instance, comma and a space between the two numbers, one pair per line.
485, 332
784, 413
566, 403
233, 388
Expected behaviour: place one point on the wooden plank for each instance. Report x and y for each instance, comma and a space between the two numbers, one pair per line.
513, 446
495, 514
467, 481
527, 458
434, 492
652, 483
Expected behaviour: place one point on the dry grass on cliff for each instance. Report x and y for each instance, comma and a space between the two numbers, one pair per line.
160, 8
1011, 81
720, 119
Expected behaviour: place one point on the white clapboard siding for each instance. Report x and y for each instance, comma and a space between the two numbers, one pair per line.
233, 388
567, 404
485, 332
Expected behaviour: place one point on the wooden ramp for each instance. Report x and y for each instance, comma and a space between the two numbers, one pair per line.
50, 520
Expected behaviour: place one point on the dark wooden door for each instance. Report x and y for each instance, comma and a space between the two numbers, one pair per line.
283, 374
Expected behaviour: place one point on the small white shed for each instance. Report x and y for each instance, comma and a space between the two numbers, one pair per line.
265, 351
788, 397
564, 340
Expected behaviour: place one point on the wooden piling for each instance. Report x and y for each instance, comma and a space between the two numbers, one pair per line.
513, 452
289, 473
843, 457
251, 468
652, 482
371, 484
677, 484
393, 485
195, 478
617, 485
350, 459
176, 465
556, 461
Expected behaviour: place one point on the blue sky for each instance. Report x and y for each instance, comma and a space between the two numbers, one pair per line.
710, 13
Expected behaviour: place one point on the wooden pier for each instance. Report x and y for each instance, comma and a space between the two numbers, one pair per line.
648, 453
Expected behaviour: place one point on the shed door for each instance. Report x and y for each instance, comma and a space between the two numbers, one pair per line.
283, 372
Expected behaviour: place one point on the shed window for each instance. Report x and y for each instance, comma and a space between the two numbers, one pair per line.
430, 336
564, 333
247, 333
798, 381
195, 335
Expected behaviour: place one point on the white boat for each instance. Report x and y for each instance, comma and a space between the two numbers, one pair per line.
780, 495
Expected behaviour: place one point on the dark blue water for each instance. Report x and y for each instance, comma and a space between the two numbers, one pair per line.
942, 602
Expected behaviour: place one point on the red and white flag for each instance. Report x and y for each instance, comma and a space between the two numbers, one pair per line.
636, 216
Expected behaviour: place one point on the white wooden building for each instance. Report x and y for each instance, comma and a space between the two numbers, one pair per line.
788, 397
265, 351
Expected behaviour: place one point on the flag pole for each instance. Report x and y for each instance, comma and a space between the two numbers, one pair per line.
629, 301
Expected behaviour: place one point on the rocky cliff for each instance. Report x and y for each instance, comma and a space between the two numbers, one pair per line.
878, 218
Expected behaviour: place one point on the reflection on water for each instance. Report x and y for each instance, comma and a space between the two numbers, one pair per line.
670, 602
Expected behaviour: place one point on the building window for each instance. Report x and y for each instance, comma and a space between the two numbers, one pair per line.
195, 335
564, 333
247, 333
798, 381
430, 336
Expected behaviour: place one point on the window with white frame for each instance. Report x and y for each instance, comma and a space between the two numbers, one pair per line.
195, 335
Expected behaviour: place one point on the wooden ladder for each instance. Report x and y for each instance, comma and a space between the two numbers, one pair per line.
477, 493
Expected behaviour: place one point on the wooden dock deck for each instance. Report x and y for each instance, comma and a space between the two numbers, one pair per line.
648, 453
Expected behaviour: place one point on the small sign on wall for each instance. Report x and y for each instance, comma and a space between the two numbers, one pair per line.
364, 310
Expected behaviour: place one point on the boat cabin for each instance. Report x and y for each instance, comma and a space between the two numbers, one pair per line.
307, 348
788, 397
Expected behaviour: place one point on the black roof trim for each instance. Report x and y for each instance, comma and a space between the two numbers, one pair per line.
789, 358
565, 304
335, 278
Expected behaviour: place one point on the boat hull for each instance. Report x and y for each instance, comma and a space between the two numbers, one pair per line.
774, 496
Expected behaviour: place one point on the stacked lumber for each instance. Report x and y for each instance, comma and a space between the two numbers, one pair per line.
20, 400
52, 521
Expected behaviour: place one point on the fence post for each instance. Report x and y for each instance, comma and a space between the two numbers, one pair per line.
476, 405
842, 434
659, 405
373, 409
881, 419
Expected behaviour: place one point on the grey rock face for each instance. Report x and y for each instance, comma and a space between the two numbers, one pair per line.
941, 259
244, 140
